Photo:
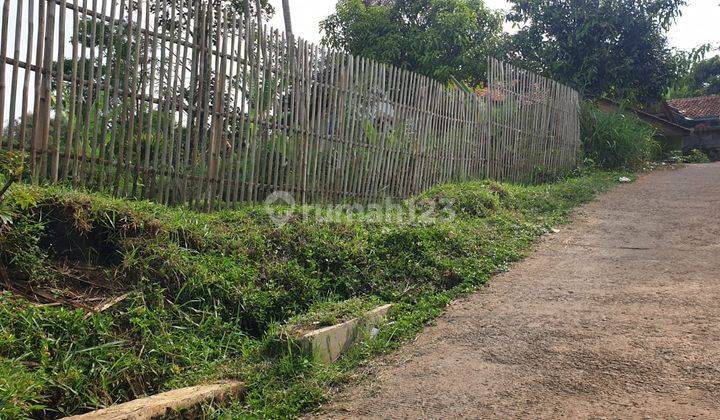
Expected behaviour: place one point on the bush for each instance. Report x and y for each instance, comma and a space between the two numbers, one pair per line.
616, 140
695, 156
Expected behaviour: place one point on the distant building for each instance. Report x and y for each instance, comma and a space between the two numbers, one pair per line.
686, 124
698, 112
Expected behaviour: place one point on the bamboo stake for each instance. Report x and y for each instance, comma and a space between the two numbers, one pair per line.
219, 99
151, 153
140, 167
313, 112
69, 136
204, 111
327, 128
256, 140
36, 134
87, 99
116, 120
45, 95
172, 160
244, 129
273, 117
334, 126
14, 80
191, 144
110, 79
233, 122
3, 52
133, 110
93, 136
340, 131
164, 121
59, 91
294, 120
26, 80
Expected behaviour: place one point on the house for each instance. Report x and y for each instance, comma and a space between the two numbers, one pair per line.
702, 116
685, 124
701, 112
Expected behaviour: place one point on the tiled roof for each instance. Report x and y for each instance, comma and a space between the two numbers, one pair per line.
695, 108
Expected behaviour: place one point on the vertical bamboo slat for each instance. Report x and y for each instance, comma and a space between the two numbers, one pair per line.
37, 121
26, 81
45, 94
59, 87
92, 135
3, 52
14, 80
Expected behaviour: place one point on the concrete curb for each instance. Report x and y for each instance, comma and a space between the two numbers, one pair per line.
167, 404
329, 343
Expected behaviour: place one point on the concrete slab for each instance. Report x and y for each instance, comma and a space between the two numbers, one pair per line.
329, 343
167, 404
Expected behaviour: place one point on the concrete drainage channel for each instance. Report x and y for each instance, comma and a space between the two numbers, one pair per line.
329, 343
326, 344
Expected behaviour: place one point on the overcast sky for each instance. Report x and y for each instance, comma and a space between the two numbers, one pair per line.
698, 25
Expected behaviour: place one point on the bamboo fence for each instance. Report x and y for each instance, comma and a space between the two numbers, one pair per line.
197, 103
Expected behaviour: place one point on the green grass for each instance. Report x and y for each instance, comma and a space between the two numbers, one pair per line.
208, 292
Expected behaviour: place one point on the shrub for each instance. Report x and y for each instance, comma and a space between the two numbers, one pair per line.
695, 156
616, 140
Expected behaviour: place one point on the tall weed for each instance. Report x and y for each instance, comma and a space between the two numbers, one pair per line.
617, 140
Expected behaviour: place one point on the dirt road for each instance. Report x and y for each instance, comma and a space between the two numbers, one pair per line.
618, 315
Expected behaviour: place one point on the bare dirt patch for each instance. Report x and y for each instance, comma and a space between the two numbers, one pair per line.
618, 315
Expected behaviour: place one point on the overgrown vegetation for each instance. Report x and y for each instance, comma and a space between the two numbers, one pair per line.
695, 156
106, 300
694, 73
12, 166
617, 140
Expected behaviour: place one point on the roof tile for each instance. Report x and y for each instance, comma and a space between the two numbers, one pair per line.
700, 107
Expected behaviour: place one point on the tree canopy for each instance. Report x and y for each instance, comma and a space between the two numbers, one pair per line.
438, 38
705, 77
601, 47
696, 75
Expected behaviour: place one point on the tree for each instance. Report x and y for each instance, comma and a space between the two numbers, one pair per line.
438, 38
705, 77
601, 47
683, 64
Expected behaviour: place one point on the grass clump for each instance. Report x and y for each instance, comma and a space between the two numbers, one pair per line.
204, 294
617, 140
19, 390
473, 199
327, 313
